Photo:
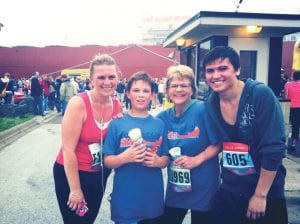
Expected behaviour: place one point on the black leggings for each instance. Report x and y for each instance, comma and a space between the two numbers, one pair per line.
148, 221
176, 215
295, 121
91, 185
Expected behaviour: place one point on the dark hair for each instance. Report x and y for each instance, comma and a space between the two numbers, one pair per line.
6, 75
141, 75
296, 75
222, 52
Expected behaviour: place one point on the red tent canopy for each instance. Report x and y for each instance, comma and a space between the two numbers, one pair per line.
23, 61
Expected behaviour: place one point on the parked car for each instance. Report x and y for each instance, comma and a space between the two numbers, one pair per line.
19, 96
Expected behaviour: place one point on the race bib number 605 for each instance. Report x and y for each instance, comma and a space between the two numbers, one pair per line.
237, 159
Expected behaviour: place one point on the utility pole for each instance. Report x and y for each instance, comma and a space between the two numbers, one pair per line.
238, 6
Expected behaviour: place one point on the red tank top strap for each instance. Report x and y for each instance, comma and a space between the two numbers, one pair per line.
86, 100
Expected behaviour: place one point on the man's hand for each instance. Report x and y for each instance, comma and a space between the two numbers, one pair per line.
135, 153
151, 159
257, 207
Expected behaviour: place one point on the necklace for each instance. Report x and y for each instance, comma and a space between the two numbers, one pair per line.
100, 109
101, 123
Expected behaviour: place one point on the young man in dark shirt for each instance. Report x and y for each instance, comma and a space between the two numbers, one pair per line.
249, 120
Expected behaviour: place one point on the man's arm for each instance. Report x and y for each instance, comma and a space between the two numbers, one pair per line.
190, 162
257, 203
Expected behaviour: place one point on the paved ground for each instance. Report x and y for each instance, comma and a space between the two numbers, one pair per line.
27, 191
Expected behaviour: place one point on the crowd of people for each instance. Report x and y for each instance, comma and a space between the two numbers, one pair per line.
223, 156
47, 93
51, 93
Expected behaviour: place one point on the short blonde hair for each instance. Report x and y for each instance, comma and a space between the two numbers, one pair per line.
181, 72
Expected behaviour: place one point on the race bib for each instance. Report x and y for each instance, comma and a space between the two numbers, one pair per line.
96, 152
237, 159
180, 178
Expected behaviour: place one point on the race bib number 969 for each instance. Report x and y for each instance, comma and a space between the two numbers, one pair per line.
180, 179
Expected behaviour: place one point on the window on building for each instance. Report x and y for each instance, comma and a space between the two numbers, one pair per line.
183, 57
248, 64
204, 47
191, 59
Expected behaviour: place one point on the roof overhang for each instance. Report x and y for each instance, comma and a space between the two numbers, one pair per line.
206, 24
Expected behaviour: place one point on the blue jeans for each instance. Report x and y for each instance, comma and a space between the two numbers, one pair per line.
45, 103
63, 106
58, 105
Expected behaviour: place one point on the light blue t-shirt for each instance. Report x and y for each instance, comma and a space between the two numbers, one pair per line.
193, 133
138, 191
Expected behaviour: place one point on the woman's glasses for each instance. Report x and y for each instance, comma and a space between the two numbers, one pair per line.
182, 86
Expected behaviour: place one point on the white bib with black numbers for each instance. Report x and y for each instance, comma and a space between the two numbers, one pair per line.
180, 178
96, 152
237, 159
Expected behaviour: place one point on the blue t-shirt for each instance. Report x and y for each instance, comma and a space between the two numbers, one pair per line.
193, 133
138, 191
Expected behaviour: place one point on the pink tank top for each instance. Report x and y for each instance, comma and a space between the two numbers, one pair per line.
293, 89
90, 133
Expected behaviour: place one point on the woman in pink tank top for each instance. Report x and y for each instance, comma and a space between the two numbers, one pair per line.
292, 92
79, 175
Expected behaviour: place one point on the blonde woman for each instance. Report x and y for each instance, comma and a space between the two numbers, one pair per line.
80, 177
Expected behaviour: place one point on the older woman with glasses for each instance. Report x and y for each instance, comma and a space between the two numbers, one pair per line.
193, 175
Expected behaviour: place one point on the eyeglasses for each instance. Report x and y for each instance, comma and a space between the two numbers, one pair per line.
182, 86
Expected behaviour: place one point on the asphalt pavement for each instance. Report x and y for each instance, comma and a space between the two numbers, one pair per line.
27, 191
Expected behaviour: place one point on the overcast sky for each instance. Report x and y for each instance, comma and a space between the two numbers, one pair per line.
109, 22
